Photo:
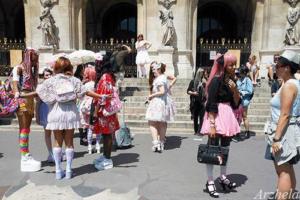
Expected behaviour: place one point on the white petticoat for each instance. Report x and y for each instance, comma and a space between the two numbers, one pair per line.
63, 116
170, 109
156, 110
142, 57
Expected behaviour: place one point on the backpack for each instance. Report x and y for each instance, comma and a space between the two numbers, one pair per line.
123, 138
115, 104
65, 90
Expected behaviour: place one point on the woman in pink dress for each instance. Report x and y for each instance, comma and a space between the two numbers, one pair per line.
220, 123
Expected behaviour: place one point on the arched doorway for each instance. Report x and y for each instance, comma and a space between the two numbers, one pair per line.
12, 31
120, 21
105, 19
217, 21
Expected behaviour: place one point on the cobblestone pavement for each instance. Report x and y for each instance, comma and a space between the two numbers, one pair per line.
139, 174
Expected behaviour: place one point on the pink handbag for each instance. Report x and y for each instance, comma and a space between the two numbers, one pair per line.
114, 106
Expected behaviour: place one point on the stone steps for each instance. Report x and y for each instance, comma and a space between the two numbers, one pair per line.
137, 90
256, 104
177, 93
186, 99
135, 107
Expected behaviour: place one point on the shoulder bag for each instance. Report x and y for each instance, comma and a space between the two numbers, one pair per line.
210, 154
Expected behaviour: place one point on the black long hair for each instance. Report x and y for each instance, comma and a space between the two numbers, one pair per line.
79, 71
103, 67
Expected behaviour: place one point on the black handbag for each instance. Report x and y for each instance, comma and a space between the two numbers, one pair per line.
211, 154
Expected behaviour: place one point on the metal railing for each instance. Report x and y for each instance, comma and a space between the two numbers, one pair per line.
205, 46
110, 46
6, 45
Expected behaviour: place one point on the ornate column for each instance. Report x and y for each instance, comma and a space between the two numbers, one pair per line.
292, 34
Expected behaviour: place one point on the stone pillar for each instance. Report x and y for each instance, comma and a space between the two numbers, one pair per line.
257, 30
141, 17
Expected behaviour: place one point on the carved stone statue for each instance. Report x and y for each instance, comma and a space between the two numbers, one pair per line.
292, 29
166, 17
47, 24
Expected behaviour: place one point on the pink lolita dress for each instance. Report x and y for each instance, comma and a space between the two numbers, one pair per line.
220, 101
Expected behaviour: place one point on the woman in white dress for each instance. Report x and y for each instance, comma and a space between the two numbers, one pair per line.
170, 104
156, 112
142, 56
253, 68
60, 93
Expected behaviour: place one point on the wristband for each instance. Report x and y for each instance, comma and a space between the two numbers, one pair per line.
276, 140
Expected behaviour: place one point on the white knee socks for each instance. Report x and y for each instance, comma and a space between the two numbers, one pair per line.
69, 155
57, 158
90, 136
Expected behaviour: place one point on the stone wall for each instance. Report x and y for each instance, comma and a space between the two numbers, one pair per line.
267, 32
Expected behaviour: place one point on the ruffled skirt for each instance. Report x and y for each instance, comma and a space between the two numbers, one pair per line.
63, 116
142, 58
156, 110
225, 122
170, 109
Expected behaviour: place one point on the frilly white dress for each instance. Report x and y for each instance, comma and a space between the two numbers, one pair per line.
170, 108
61, 116
157, 109
142, 56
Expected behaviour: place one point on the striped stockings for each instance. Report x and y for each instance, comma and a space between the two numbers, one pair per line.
23, 141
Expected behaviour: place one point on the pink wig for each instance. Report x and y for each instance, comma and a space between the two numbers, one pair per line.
31, 70
218, 69
90, 73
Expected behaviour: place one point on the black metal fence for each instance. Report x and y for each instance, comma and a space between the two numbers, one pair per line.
5, 46
111, 45
206, 46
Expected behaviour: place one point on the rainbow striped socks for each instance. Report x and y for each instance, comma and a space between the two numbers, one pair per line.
23, 141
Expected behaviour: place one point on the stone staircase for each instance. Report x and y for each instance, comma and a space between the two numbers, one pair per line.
137, 90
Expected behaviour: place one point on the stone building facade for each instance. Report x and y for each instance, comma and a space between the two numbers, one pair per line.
80, 21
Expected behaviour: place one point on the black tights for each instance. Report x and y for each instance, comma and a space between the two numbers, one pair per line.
198, 115
107, 145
